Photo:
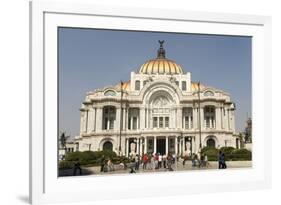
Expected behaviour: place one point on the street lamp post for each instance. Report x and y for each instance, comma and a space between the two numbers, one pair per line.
121, 116
199, 107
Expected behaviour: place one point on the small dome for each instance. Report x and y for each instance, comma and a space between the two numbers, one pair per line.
161, 64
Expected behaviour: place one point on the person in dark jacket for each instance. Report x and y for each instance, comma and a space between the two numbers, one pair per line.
77, 167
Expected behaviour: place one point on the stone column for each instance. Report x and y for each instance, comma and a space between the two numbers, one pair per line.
91, 120
127, 147
202, 118
155, 141
179, 118
176, 145
233, 120
194, 116
142, 118
167, 146
99, 119
222, 118
180, 147
127, 118
145, 144
228, 120
117, 120
137, 144
124, 118
82, 122
218, 118
140, 146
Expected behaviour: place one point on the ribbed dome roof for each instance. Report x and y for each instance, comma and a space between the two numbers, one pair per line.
161, 64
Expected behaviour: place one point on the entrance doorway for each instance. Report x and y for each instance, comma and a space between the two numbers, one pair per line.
161, 146
107, 146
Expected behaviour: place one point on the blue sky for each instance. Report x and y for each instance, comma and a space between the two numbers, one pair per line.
90, 59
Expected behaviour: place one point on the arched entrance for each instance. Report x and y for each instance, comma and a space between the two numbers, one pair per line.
211, 143
107, 146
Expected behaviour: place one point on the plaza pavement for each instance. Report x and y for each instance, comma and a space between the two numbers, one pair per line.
180, 167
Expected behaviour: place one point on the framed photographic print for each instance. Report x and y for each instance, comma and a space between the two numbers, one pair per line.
127, 99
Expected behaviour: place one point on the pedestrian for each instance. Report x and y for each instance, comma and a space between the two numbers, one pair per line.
156, 160
137, 162
77, 167
169, 162
145, 160
220, 159
185, 158
223, 161
102, 163
160, 161
165, 161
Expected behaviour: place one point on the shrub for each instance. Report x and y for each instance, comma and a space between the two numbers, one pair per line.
211, 152
90, 157
241, 154
227, 150
66, 165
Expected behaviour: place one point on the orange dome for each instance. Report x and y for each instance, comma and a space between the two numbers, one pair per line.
161, 64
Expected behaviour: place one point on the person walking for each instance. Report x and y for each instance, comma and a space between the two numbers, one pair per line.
145, 160
223, 161
160, 161
137, 162
77, 167
170, 162
165, 161
220, 159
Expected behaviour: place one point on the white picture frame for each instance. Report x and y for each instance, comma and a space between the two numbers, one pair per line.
46, 187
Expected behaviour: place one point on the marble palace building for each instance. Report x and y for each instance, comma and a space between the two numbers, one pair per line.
159, 110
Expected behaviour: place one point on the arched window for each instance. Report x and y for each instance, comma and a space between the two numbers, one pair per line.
209, 117
109, 93
109, 116
211, 143
137, 85
161, 112
208, 93
107, 146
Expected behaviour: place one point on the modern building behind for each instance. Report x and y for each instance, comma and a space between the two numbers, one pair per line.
159, 110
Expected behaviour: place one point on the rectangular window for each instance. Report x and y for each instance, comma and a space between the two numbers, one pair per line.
129, 123
144, 82
183, 85
186, 123
134, 123
177, 83
207, 122
111, 124
137, 85
166, 121
161, 122
105, 123
155, 122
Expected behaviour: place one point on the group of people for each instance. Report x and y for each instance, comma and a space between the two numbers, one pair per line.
149, 161
154, 161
